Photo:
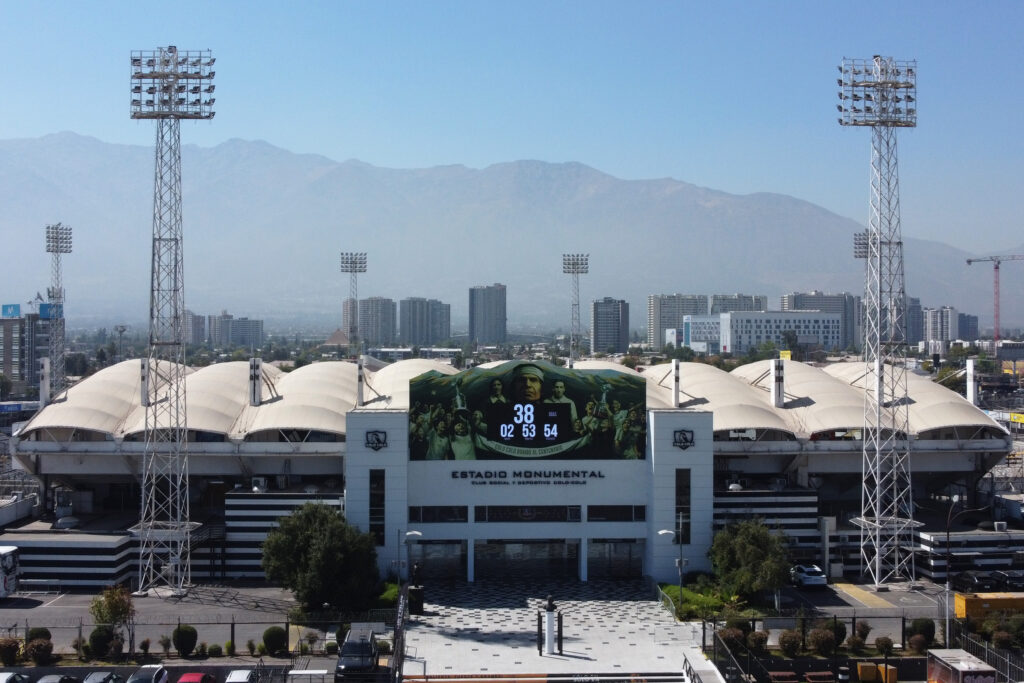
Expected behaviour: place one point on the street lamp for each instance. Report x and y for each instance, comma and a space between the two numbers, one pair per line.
950, 518
409, 536
681, 562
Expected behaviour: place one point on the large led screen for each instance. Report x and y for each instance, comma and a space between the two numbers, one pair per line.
527, 409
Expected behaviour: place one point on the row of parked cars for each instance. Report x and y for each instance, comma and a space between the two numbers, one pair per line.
150, 673
978, 581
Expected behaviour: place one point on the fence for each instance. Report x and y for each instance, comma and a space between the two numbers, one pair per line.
398, 646
1008, 666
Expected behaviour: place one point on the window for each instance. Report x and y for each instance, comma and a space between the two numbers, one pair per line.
438, 513
616, 513
377, 505
526, 513
682, 517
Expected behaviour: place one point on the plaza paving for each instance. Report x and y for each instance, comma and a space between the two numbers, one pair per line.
489, 629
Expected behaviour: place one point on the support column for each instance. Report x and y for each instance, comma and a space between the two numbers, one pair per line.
583, 560
470, 560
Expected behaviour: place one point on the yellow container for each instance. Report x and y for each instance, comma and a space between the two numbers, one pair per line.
887, 673
978, 605
867, 672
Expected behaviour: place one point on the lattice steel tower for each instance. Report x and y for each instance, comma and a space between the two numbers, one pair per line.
575, 265
168, 85
58, 241
881, 93
353, 263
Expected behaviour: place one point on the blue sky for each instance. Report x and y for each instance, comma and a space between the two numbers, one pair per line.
735, 96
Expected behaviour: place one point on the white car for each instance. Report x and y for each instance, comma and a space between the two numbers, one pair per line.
149, 673
241, 676
805, 575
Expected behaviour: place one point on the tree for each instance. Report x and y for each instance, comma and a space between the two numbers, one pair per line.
748, 557
114, 607
318, 556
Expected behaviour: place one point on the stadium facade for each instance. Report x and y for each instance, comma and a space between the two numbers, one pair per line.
585, 480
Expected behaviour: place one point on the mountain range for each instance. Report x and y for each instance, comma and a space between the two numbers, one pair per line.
263, 228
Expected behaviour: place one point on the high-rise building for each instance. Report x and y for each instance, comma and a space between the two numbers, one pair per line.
609, 325
195, 328
487, 314
915, 321
666, 311
219, 330
847, 306
724, 303
968, 325
348, 315
245, 332
423, 322
24, 340
941, 324
377, 317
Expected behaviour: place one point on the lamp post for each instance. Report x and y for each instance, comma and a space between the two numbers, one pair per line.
409, 536
950, 518
681, 562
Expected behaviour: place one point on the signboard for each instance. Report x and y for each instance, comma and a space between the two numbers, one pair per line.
528, 410
11, 311
786, 355
51, 311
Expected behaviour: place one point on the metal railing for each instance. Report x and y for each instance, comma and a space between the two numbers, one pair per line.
1008, 666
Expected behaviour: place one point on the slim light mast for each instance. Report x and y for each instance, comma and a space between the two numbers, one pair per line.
167, 85
58, 241
881, 93
575, 265
353, 263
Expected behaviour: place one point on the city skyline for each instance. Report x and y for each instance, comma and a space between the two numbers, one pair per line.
639, 92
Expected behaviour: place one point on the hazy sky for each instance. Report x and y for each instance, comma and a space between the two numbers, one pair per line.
736, 96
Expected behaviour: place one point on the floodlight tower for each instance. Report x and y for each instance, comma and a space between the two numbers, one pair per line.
575, 265
353, 263
58, 241
881, 93
167, 85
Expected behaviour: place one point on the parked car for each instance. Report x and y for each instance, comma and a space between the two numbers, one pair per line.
807, 575
13, 677
59, 678
149, 673
196, 678
103, 677
241, 676
358, 655
974, 581
1009, 579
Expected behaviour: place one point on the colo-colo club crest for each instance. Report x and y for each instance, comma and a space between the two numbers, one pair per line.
376, 439
682, 438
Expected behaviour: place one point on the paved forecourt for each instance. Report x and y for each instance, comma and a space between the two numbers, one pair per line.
489, 630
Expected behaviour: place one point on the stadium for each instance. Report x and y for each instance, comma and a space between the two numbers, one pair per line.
636, 472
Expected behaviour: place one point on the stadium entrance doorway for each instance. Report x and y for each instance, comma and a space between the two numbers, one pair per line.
549, 558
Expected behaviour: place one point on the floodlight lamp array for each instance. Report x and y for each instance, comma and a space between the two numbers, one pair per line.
168, 83
880, 91
353, 262
860, 244
58, 239
575, 264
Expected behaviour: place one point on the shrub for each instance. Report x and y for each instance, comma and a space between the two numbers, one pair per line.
303, 648
9, 648
215, 650
855, 644
38, 633
331, 648
863, 630
184, 638
229, 648
732, 637
262, 649
740, 623
883, 645
757, 641
201, 649
1001, 640
99, 640
822, 641
144, 646
79, 645
39, 651
789, 643
165, 644
836, 626
276, 640
312, 637
86, 651
918, 643
251, 645
384, 647
116, 648
924, 626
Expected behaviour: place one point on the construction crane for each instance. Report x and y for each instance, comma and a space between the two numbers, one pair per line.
996, 260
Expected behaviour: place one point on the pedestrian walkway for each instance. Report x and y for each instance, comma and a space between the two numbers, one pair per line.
490, 629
